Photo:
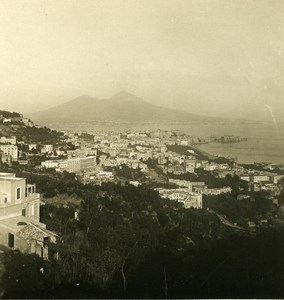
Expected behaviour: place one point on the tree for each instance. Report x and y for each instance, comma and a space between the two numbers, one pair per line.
23, 275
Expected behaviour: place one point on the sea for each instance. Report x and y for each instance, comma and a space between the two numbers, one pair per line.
265, 141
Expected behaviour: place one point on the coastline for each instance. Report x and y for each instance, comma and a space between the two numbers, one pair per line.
246, 152
202, 152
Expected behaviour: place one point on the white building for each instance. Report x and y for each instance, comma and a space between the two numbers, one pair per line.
134, 183
11, 150
46, 149
50, 164
245, 178
105, 174
217, 191
260, 178
77, 165
189, 199
8, 140
32, 146
20, 227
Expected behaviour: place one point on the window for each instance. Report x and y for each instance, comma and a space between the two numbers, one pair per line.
18, 193
10, 240
46, 240
5, 199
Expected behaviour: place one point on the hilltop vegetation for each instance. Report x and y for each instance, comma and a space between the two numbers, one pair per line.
39, 135
8, 114
28, 133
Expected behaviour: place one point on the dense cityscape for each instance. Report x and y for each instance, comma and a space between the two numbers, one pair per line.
134, 214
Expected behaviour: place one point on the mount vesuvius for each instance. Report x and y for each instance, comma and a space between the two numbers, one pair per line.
122, 107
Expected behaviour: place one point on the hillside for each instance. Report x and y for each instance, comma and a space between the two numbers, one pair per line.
122, 107
28, 132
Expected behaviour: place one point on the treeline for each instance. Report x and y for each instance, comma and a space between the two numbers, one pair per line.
8, 114
256, 208
50, 183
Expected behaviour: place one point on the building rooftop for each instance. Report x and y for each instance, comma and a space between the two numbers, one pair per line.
10, 178
31, 231
25, 229
6, 174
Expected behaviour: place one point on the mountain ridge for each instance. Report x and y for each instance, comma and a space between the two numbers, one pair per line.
122, 107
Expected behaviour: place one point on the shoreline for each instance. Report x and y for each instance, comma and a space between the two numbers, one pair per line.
246, 155
203, 152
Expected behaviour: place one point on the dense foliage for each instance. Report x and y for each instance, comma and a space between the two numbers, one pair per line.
8, 114
212, 181
129, 243
128, 173
52, 183
242, 211
39, 135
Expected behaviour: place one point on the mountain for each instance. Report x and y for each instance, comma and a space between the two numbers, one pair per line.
122, 107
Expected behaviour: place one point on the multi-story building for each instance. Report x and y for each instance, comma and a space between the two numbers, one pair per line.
189, 168
27, 122
217, 191
77, 165
20, 227
81, 152
50, 164
87, 163
256, 178
113, 152
162, 160
260, 178
11, 150
99, 178
46, 149
182, 183
210, 167
8, 140
188, 198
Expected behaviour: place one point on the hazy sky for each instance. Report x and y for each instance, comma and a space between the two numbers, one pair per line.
218, 57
